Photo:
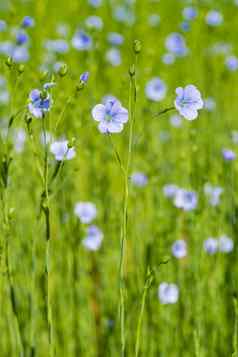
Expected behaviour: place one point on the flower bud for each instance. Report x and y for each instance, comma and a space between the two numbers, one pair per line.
137, 46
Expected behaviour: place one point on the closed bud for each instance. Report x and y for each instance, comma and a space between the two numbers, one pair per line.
71, 143
43, 75
21, 68
132, 70
9, 62
137, 46
63, 70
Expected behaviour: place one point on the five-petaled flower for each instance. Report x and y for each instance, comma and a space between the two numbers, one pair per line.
40, 103
188, 101
111, 116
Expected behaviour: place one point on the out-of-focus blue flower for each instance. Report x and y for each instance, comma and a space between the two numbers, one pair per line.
21, 37
185, 26
62, 151
168, 293
179, 248
232, 63
175, 44
154, 20
175, 121
6, 48
214, 18
3, 25
111, 116
93, 239
190, 13
115, 39
156, 89
57, 46
188, 101
95, 3
139, 179
225, 244
85, 211
94, 22
124, 14
39, 103
28, 21
209, 104
213, 193
20, 54
113, 56
168, 58
81, 41
187, 200
210, 246
170, 190
84, 77
19, 138
228, 154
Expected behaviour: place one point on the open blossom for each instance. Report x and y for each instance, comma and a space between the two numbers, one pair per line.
213, 193
168, 293
111, 116
85, 211
93, 238
179, 249
175, 44
225, 244
228, 154
139, 179
82, 41
40, 103
62, 151
188, 101
214, 18
187, 200
210, 246
156, 89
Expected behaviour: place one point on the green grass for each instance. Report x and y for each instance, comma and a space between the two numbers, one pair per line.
84, 287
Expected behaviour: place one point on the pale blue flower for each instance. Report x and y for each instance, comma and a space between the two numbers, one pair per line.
168, 58
156, 89
170, 190
190, 13
232, 63
188, 102
168, 293
139, 179
175, 44
175, 120
85, 211
228, 155
28, 21
213, 193
225, 244
179, 248
20, 54
57, 46
210, 246
113, 56
95, 3
115, 39
62, 151
39, 103
94, 22
82, 41
3, 26
209, 104
93, 239
187, 200
111, 116
214, 18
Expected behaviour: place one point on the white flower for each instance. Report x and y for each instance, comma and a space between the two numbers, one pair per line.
85, 211
168, 293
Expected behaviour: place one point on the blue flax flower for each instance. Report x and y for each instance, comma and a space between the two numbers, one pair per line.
40, 103
111, 116
188, 101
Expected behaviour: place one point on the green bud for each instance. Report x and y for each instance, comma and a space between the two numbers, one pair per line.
132, 70
63, 70
9, 62
71, 143
21, 68
137, 46
43, 75
80, 86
